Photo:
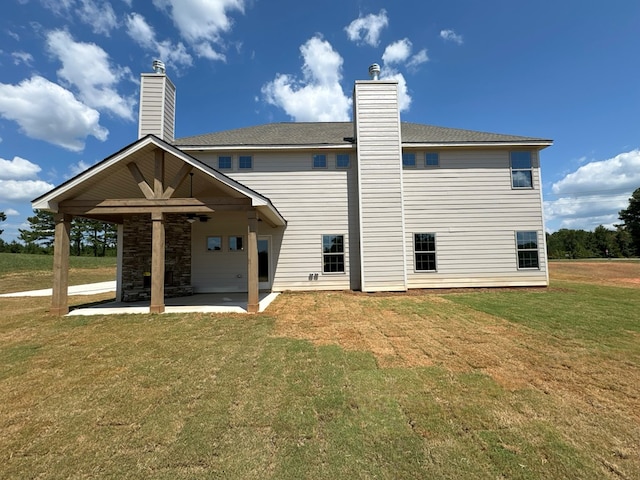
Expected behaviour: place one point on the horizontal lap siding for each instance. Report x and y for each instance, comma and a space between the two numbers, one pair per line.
469, 204
157, 107
314, 202
380, 186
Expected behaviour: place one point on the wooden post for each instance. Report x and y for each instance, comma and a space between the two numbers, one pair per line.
253, 297
59, 298
157, 263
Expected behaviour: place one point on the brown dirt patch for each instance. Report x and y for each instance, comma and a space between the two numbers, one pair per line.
461, 339
608, 272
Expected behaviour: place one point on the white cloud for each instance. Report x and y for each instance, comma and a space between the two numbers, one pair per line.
451, 36
404, 99
22, 57
87, 67
99, 15
10, 212
397, 52
170, 53
594, 193
318, 96
368, 29
18, 169
13, 35
46, 111
22, 190
78, 168
201, 22
418, 59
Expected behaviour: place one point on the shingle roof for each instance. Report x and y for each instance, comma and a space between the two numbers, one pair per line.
336, 133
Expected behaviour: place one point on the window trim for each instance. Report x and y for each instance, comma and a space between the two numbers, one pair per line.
313, 161
536, 250
333, 254
520, 169
240, 157
416, 252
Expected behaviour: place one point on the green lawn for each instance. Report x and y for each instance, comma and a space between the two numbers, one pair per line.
233, 396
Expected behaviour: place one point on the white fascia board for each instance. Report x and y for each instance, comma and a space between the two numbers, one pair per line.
255, 148
46, 200
537, 144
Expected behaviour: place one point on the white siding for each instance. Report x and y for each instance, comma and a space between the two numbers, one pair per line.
469, 204
314, 202
380, 186
157, 106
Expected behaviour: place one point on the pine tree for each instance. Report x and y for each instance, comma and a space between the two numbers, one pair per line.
3, 217
41, 229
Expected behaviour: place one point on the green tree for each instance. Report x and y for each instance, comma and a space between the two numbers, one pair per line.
41, 231
3, 217
631, 218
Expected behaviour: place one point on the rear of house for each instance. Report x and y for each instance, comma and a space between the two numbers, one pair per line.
375, 204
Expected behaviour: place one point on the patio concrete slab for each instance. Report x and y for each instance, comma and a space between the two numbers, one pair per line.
200, 302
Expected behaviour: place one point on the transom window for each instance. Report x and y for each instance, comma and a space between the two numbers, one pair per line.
343, 160
521, 170
320, 160
408, 160
432, 159
424, 248
245, 161
527, 245
333, 253
224, 162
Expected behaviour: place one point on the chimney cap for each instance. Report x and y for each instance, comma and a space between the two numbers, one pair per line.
374, 71
158, 66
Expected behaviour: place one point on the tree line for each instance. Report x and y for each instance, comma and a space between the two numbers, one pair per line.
93, 237
88, 237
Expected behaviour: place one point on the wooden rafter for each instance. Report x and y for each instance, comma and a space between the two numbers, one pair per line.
139, 178
177, 180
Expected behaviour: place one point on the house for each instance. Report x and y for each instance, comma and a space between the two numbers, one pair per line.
373, 205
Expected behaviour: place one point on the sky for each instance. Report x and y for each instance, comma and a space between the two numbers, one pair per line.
565, 70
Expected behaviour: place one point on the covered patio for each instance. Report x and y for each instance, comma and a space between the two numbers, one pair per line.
146, 188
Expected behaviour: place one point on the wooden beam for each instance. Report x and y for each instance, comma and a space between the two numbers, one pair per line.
157, 263
59, 297
139, 178
177, 180
158, 173
253, 295
141, 205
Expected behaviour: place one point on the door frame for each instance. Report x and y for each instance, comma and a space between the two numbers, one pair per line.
266, 285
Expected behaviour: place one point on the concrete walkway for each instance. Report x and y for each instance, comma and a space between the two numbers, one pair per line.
201, 302
88, 289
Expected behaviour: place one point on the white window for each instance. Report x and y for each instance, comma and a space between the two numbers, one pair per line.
245, 162
236, 243
424, 249
343, 160
333, 253
432, 159
214, 243
408, 160
320, 160
521, 169
224, 162
527, 246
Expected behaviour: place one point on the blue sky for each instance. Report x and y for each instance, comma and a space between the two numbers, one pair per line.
566, 70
